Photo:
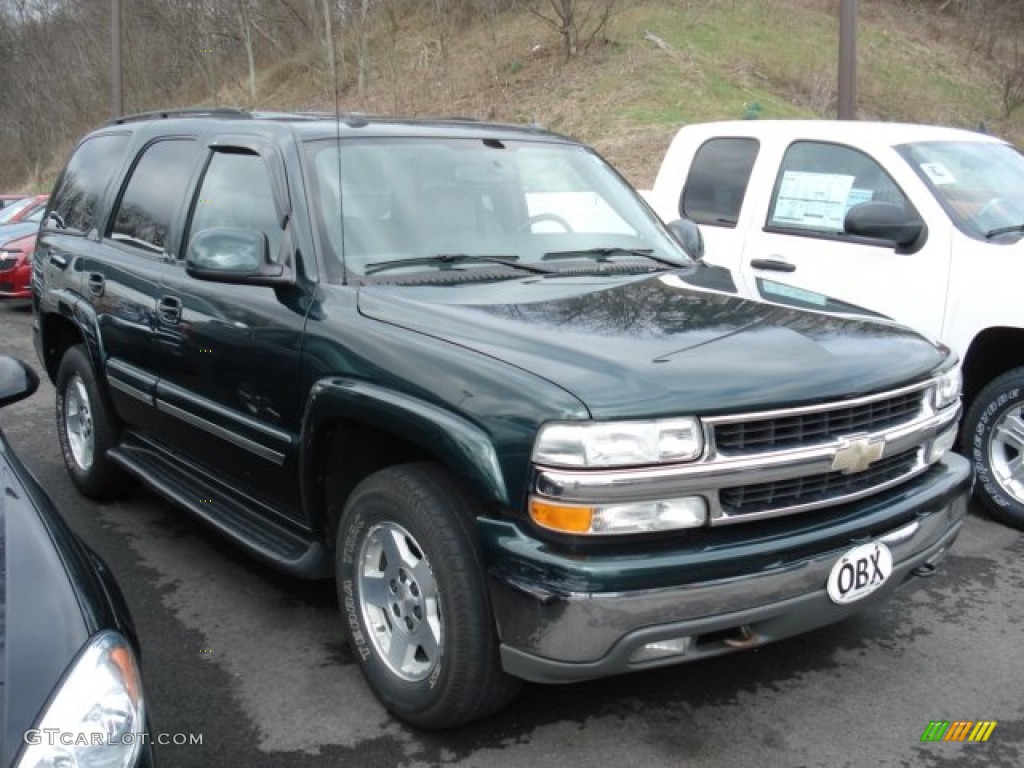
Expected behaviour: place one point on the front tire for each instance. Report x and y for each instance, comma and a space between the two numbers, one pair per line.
86, 428
994, 439
414, 598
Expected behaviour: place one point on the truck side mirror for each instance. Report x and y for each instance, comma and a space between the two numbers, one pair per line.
17, 381
687, 233
239, 256
884, 221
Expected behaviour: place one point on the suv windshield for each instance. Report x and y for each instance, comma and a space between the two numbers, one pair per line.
980, 184
420, 201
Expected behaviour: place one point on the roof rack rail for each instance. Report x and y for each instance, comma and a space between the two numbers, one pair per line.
164, 114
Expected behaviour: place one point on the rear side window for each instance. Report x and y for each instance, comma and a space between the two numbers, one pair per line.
78, 200
156, 192
714, 190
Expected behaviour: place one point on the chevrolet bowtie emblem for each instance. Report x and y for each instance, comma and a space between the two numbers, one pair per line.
857, 455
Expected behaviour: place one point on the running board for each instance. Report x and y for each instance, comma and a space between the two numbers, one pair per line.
267, 540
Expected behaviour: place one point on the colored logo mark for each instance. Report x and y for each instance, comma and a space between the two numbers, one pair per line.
959, 730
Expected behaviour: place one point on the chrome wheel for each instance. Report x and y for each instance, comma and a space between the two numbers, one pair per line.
78, 424
1006, 452
398, 601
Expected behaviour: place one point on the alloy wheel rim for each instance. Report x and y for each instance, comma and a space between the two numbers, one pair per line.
399, 602
78, 424
1006, 452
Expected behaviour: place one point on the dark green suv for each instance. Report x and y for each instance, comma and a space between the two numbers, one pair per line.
463, 369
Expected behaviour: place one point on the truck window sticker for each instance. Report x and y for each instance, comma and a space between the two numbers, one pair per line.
858, 196
812, 200
938, 173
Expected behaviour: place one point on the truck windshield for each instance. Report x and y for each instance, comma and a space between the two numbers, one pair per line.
410, 200
980, 184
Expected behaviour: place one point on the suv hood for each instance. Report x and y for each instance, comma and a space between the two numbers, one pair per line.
655, 346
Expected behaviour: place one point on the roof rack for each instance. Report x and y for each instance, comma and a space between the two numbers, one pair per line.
164, 114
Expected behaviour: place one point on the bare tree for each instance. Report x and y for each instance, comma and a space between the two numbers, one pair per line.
574, 20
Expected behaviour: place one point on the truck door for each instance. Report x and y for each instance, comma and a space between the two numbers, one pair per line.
801, 241
122, 272
229, 355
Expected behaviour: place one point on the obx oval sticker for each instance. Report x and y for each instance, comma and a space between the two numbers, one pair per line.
859, 572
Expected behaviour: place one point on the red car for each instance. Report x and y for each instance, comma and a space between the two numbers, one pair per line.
27, 209
17, 242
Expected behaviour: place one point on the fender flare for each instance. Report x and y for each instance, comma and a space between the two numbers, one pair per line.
73, 309
454, 440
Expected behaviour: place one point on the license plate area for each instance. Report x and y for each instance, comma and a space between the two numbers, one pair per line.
859, 572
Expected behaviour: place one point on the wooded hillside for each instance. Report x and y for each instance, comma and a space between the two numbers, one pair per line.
618, 73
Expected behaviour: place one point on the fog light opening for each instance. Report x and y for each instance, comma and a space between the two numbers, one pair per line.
660, 649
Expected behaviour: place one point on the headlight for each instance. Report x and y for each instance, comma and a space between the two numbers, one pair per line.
618, 444
947, 388
97, 716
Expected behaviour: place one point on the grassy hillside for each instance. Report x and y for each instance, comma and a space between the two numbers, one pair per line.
658, 64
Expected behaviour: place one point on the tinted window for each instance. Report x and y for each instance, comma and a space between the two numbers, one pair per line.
155, 192
714, 190
236, 193
79, 197
818, 183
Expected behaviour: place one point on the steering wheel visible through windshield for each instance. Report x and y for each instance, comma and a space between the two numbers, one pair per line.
401, 205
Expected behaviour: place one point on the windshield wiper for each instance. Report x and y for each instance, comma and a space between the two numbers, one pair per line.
1004, 231
449, 259
605, 254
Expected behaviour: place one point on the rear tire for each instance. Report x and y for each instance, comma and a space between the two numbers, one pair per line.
994, 440
414, 598
86, 428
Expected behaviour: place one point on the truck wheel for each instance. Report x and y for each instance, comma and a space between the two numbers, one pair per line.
86, 428
994, 438
414, 598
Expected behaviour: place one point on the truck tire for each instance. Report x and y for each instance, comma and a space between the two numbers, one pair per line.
86, 428
414, 598
994, 439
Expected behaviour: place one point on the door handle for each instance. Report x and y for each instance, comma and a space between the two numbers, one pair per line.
777, 265
96, 282
169, 309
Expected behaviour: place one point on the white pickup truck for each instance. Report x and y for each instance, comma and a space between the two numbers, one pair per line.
920, 223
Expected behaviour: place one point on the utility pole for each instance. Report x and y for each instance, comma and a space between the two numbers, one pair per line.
116, 83
848, 59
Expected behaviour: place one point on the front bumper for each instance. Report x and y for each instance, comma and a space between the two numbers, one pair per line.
16, 283
554, 628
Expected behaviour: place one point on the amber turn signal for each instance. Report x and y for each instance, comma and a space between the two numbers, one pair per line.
561, 517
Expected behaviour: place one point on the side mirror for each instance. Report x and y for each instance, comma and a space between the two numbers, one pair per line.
240, 256
17, 381
687, 233
884, 221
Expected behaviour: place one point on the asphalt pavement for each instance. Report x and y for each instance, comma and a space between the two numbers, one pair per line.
253, 662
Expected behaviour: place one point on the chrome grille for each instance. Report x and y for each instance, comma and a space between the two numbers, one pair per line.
814, 489
800, 429
765, 464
